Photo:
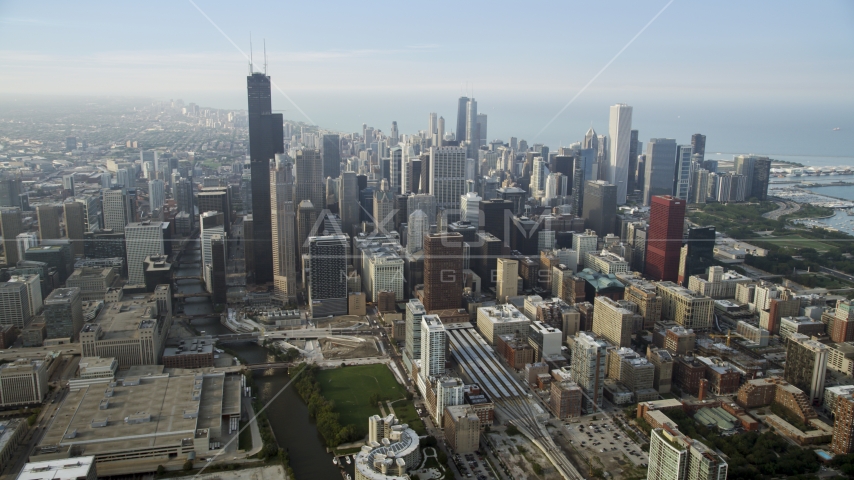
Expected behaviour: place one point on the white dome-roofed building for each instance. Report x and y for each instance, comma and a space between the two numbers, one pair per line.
389, 458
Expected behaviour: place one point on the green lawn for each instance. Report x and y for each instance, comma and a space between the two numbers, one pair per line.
351, 389
796, 241
406, 413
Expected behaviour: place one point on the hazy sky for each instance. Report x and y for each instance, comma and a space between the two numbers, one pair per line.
751, 75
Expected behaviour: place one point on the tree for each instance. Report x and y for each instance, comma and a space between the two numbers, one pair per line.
512, 430
188, 465
161, 469
537, 468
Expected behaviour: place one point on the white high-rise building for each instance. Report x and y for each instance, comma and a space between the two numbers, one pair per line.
384, 272
414, 313
432, 127
620, 137
115, 209
419, 225
14, 304
470, 208
447, 176
34, 290
539, 173
143, 239
674, 456
581, 244
588, 367
156, 194
25, 241
433, 344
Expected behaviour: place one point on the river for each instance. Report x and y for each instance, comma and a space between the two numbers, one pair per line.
287, 413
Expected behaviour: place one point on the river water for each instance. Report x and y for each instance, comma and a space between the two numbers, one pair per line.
287, 413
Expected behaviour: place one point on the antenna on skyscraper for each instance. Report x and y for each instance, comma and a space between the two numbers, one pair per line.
250, 53
265, 56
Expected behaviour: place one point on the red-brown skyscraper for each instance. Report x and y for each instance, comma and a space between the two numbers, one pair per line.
666, 221
443, 271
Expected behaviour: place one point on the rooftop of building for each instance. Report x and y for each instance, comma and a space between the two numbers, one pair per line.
96, 363
141, 412
124, 319
90, 272
7, 430
600, 281
62, 295
502, 313
60, 469
20, 365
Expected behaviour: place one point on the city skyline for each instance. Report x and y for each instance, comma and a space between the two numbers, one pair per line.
771, 106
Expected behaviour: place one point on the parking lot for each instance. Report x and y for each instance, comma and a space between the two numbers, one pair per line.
473, 466
601, 439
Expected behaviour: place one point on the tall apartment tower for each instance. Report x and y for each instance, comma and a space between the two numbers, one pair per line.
306, 219
470, 208
383, 208
613, 320
266, 139
74, 214
673, 456
216, 270
63, 313
666, 221
507, 279
443, 253
117, 212
412, 335
185, 198
48, 222
418, 226
432, 127
659, 168
620, 136
682, 173
843, 425
698, 253
156, 194
698, 145
462, 105
331, 154
308, 182
210, 224
348, 201
68, 183
588, 367
806, 366
327, 285
15, 307
217, 199
433, 346
481, 128
447, 176
284, 234
634, 151
600, 206
10, 228
472, 134
144, 239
